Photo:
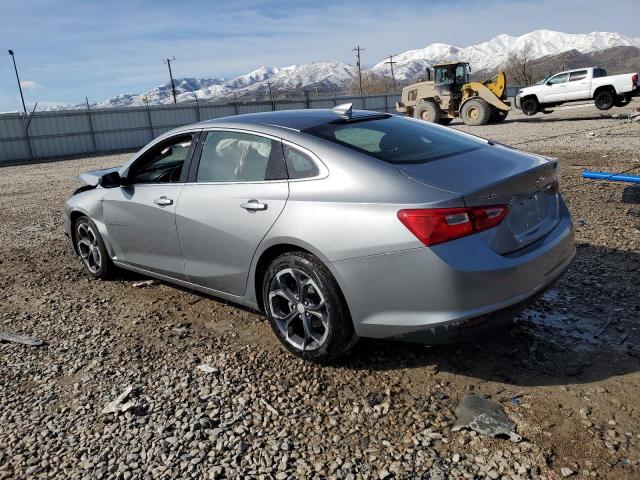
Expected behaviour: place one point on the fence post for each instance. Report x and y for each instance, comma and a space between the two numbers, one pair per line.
149, 117
235, 103
93, 133
26, 135
307, 99
197, 107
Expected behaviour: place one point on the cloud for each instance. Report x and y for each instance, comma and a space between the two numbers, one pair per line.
30, 84
91, 48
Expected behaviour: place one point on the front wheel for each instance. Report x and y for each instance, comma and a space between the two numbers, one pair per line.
604, 100
306, 309
530, 106
475, 112
91, 249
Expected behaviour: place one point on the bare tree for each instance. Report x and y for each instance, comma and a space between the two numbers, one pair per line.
518, 65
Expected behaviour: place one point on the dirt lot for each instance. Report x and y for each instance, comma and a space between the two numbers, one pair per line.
567, 374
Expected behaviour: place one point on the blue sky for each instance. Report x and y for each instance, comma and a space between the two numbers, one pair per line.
68, 49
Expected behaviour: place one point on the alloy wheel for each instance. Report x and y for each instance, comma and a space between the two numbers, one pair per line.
89, 248
299, 309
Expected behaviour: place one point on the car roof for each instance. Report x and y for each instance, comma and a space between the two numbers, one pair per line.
297, 120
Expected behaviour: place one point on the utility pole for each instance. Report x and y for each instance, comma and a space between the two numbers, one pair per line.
18, 78
358, 50
273, 103
173, 86
393, 77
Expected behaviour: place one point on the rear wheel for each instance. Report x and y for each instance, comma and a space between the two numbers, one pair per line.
427, 111
306, 309
622, 100
91, 249
476, 112
604, 99
530, 106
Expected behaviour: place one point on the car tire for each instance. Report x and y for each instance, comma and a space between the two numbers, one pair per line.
604, 100
427, 111
306, 309
530, 106
91, 249
622, 100
475, 112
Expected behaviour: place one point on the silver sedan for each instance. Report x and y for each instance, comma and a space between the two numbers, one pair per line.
337, 224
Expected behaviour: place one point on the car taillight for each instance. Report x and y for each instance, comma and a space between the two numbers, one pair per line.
438, 225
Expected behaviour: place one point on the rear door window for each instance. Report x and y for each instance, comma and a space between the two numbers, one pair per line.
397, 140
579, 75
599, 72
240, 157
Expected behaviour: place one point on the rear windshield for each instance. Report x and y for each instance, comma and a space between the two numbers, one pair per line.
397, 140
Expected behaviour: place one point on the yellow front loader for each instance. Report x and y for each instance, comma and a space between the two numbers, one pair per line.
451, 95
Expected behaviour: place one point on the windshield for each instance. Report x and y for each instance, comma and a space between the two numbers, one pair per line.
397, 140
544, 80
452, 74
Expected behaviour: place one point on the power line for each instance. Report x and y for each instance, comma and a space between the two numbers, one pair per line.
358, 50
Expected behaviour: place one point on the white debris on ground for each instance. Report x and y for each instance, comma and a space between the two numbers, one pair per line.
119, 405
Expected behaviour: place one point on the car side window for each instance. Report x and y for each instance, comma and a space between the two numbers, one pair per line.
240, 157
299, 164
561, 78
163, 162
579, 75
599, 72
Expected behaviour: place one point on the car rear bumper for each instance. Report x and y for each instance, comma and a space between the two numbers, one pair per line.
428, 295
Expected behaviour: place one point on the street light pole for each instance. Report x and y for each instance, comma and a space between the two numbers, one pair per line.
24, 107
173, 85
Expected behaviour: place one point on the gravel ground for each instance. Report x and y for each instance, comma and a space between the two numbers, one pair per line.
566, 374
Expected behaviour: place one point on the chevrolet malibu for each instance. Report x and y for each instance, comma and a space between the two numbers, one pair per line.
337, 224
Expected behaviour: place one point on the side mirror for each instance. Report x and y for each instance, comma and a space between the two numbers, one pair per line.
112, 179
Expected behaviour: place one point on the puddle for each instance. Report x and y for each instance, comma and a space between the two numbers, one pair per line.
549, 324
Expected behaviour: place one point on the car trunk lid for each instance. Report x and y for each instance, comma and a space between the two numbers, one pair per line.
497, 175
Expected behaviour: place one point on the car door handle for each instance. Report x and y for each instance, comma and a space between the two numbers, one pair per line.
253, 205
163, 201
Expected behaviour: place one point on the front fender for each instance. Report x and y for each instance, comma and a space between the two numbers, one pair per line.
88, 203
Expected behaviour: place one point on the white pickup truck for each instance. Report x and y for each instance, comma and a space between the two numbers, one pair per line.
580, 84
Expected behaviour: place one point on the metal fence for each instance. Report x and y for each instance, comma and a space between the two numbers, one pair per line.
46, 135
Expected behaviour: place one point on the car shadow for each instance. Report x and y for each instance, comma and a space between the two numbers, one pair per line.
584, 329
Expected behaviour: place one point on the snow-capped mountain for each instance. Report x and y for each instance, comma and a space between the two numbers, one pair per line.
335, 77
493, 54
326, 76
